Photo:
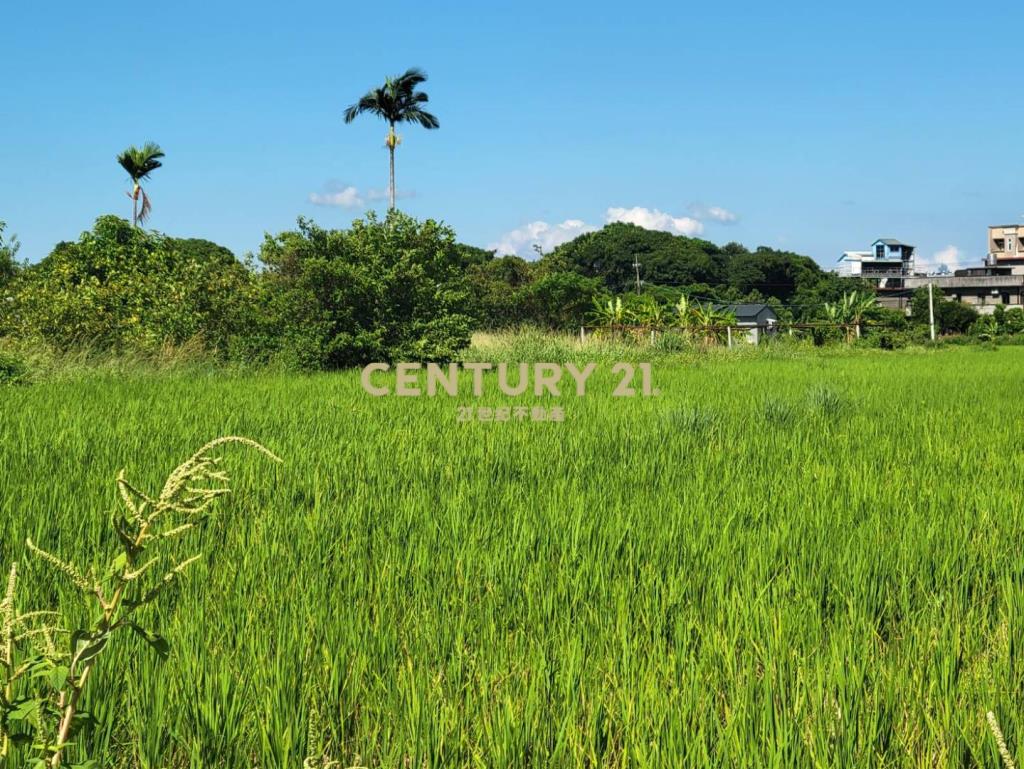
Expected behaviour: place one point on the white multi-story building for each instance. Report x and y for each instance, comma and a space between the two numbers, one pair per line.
886, 264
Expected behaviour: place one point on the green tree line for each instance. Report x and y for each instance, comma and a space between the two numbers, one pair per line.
401, 289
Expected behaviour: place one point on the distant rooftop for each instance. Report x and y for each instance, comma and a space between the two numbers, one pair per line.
746, 309
891, 242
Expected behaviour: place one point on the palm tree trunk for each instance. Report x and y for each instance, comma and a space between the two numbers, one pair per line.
391, 177
135, 205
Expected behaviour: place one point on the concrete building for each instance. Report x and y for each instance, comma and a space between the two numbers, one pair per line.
1006, 247
885, 264
999, 281
980, 287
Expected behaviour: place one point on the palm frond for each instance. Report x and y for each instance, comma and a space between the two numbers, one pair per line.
411, 78
424, 118
146, 207
375, 102
397, 101
140, 162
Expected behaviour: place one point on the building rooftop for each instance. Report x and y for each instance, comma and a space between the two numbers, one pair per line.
891, 242
745, 309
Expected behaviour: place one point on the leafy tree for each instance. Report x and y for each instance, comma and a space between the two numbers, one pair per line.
559, 300
772, 273
950, 317
701, 269
397, 101
381, 291
495, 291
139, 163
666, 259
472, 255
121, 288
8, 256
1013, 320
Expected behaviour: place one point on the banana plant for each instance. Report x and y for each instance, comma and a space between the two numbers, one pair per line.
849, 312
712, 323
610, 313
683, 310
651, 313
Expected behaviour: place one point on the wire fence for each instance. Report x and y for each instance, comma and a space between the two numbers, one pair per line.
720, 332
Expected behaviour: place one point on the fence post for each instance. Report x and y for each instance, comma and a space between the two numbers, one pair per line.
583, 334
728, 334
652, 336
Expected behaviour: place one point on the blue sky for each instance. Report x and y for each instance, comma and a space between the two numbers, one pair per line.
800, 125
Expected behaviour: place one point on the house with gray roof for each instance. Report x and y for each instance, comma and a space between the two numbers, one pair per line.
753, 317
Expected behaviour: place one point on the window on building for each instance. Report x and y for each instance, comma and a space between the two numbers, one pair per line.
880, 251
1005, 297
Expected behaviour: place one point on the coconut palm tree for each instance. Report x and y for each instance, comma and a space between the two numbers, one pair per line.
397, 101
139, 163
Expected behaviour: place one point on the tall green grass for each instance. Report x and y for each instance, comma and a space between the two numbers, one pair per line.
783, 560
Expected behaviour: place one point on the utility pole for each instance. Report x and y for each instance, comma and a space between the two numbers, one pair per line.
931, 312
636, 267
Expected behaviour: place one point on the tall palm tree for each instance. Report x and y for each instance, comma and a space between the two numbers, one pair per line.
139, 163
397, 101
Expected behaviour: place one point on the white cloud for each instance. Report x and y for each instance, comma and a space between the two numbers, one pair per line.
714, 213
653, 219
950, 257
346, 197
521, 241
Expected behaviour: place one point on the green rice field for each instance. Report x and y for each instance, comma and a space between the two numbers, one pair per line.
801, 560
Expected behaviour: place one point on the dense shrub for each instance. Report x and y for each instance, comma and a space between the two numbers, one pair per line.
495, 284
8, 252
950, 317
559, 300
383, 290
121, 288
12, 368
